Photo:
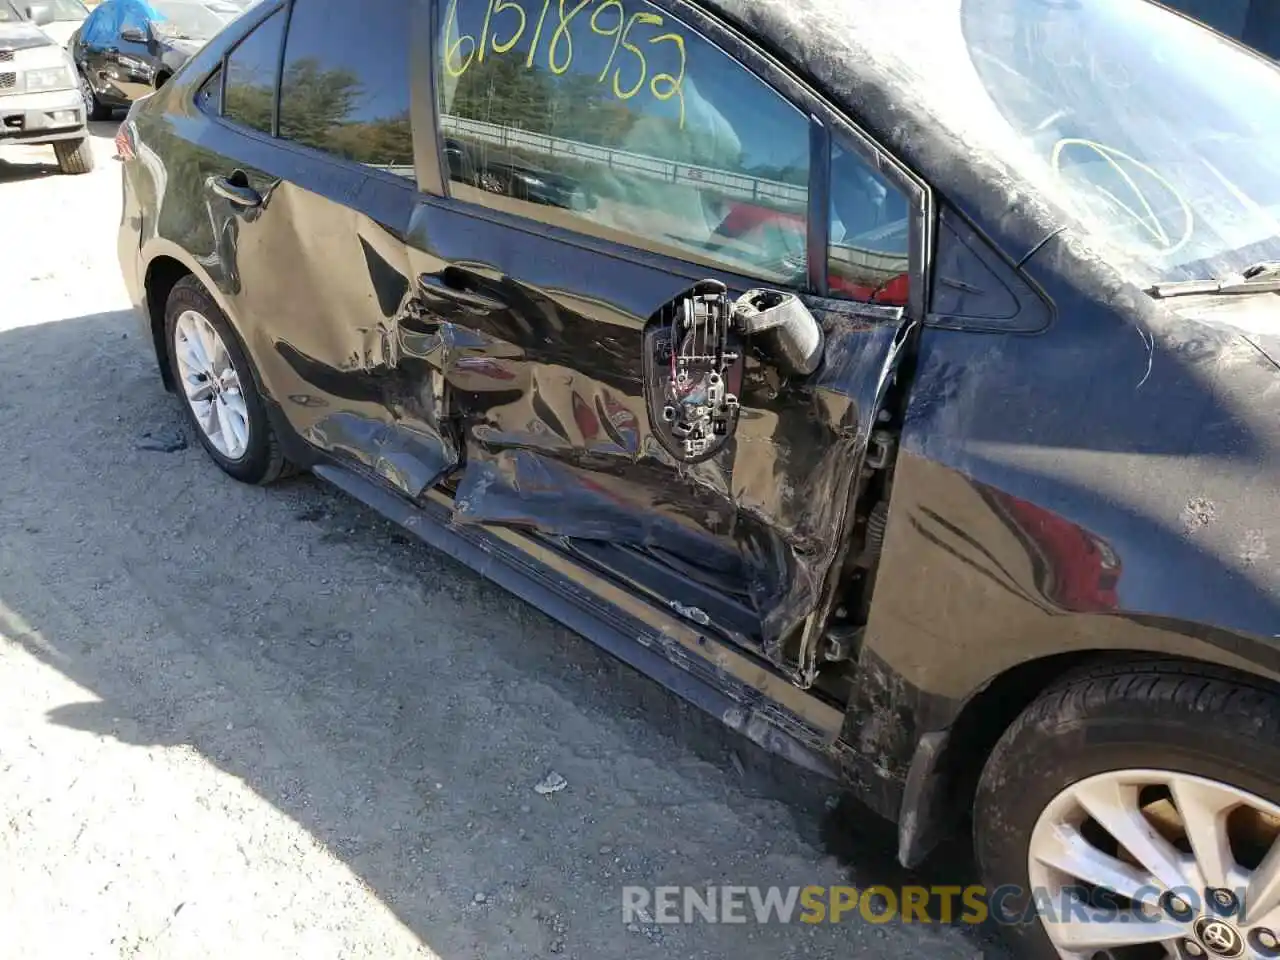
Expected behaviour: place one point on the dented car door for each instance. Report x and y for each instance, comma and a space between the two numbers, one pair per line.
711, 469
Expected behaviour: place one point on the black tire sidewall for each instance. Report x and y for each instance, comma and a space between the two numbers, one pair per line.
1042, 759
95, 107
74, 156
257, 462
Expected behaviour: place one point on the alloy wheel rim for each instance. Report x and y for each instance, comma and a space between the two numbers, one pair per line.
211, 384
1125, 863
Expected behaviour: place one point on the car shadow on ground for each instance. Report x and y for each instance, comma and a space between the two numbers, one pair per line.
15, 167
386, 698
20, 162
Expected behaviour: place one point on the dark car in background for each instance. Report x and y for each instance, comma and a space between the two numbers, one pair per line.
496, 172
127, 49
907, 395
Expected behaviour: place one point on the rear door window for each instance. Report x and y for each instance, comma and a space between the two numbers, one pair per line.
345, 85
249, 93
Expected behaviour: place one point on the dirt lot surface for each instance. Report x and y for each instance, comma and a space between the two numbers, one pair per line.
240, 722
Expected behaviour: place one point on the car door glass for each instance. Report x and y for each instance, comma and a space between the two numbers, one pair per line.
209, 99
248, 96
345, 85
611, 117
870, 252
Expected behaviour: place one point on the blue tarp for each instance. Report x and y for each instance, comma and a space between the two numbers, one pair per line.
105, 23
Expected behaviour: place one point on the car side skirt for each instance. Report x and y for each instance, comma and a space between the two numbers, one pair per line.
745, 696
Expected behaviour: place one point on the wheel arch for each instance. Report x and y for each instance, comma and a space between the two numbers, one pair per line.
162, 275
166, 264
943, 776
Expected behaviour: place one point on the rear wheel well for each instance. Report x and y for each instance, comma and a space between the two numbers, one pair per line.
162, 274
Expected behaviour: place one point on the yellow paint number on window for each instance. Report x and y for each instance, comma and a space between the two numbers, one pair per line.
608, 19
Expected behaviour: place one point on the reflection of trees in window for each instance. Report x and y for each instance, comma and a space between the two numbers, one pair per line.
315, 104
248, 103
314, 107
503, 91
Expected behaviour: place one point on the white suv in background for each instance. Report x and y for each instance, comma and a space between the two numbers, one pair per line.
40, 101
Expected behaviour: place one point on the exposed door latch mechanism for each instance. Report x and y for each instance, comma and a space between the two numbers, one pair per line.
698, 405
694, 352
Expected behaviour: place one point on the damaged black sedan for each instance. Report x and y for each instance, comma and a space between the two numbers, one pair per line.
907, 399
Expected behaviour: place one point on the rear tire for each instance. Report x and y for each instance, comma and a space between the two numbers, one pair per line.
1160, 751
74, 156
256, 457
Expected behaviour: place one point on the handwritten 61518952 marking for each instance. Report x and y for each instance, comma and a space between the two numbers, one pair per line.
608, 19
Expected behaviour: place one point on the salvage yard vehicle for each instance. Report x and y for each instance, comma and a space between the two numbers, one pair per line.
128, 49
62, 19
39, 95
907, 399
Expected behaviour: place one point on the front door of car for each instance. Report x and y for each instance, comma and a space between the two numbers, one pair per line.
604, 164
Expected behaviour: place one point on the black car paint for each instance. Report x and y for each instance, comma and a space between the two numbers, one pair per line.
128, 68
1046, 412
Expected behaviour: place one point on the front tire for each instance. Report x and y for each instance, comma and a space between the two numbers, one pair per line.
215, 381
1151, 793
94, 108
74, 156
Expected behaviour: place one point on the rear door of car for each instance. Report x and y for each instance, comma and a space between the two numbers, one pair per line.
590, 164
307, 183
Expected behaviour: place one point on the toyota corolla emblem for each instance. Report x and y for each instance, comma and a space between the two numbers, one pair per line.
1220, 938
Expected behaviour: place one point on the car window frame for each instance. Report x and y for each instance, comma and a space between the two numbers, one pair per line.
827, 123
199, 88
265, 11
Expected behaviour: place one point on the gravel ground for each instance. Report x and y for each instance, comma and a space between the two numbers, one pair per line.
238, 722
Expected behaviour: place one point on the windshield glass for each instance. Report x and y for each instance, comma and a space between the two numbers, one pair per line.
1158, 135
67, 9
8, 12
187, 21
